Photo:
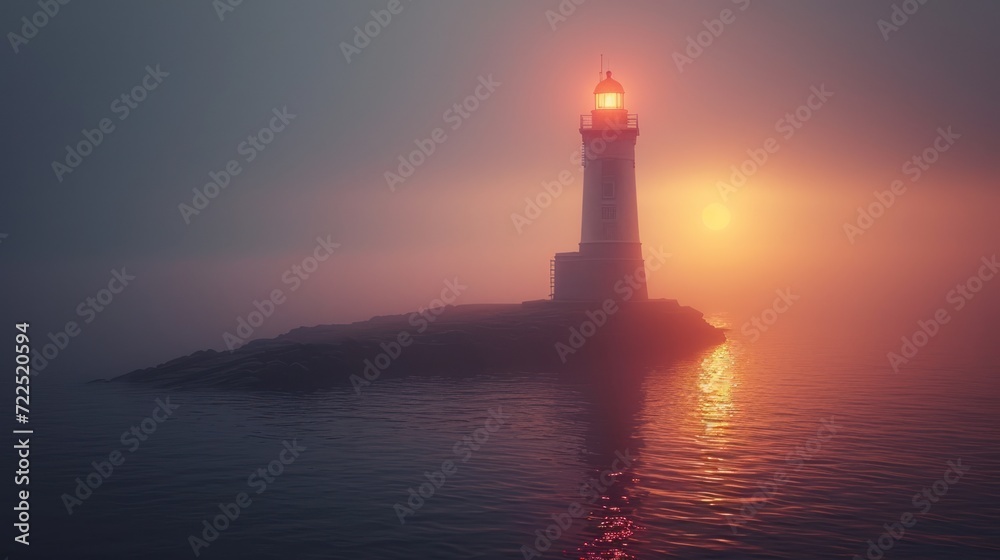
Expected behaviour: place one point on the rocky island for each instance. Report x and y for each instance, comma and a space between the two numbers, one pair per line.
531, 337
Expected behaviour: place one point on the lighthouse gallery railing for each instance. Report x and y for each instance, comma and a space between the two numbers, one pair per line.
587, 122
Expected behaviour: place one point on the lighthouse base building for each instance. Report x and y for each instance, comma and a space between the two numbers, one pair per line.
593, 274
610, 254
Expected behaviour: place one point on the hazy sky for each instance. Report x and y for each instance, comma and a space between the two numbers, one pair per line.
323, 173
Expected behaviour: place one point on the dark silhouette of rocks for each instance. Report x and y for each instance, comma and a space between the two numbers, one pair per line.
469, 339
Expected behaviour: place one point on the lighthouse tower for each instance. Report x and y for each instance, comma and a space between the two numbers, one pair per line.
610, 250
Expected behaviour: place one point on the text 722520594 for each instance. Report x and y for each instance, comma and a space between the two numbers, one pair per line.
22, 447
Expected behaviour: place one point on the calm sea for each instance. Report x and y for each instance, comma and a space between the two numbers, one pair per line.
790, 447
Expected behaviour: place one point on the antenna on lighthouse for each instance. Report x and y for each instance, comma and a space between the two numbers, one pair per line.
600, 74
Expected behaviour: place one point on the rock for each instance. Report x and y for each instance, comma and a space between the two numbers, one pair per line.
532, 337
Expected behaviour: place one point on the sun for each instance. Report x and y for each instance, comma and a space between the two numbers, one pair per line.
716, 216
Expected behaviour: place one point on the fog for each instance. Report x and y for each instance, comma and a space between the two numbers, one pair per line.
795, 219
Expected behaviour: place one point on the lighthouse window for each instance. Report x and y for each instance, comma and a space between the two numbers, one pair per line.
609, 213
608, 189
610, 100
610, 231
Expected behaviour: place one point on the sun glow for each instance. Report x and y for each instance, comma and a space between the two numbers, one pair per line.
716, 216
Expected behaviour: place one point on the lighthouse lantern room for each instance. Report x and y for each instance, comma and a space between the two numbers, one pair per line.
609, 94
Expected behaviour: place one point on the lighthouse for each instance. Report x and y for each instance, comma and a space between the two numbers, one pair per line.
610, 250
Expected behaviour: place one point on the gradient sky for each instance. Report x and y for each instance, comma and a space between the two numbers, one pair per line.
324, 174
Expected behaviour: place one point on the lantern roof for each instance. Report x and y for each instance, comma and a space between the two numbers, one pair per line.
609, 85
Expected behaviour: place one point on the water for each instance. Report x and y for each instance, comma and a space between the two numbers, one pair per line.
791, 447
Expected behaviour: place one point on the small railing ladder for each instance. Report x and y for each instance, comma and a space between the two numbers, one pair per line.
552, 279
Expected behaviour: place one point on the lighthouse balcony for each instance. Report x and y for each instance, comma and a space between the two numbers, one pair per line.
613, 120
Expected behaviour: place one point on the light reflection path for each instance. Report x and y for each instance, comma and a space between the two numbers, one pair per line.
710, 384
718, 378
716, 382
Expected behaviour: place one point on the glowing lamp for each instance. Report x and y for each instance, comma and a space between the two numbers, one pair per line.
609, 94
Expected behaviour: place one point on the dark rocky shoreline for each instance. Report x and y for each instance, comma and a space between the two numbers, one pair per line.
531, 337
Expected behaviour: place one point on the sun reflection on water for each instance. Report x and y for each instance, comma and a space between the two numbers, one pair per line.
612, 521
716, 381
694, 400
